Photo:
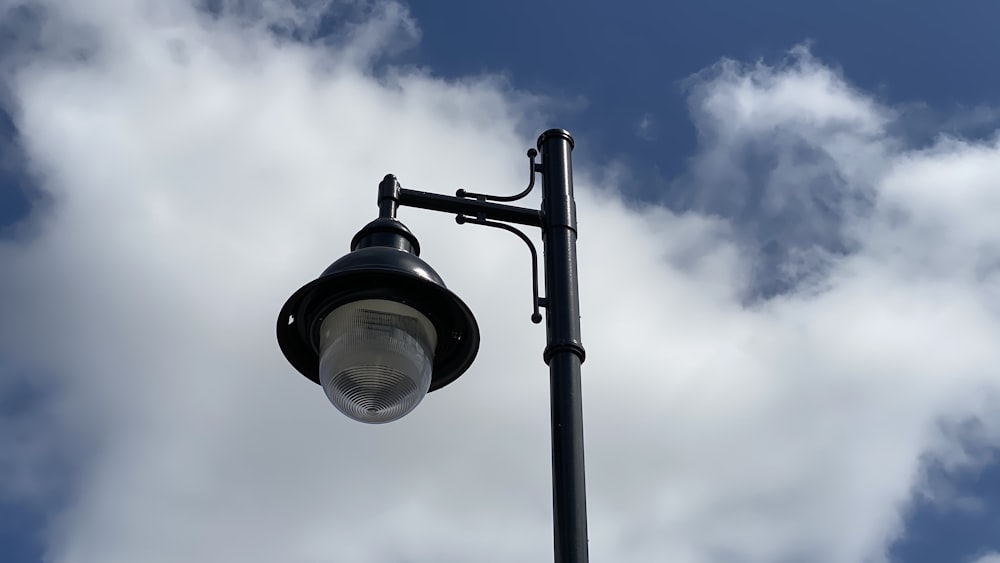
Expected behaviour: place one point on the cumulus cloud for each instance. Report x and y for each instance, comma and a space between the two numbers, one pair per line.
772, 359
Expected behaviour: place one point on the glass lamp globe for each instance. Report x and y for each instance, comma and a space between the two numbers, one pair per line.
376, 359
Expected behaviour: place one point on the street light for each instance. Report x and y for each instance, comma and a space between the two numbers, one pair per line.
379, 330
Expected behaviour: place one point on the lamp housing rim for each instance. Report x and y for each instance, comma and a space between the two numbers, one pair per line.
379, 272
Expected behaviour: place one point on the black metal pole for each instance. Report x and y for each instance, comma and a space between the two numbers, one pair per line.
564, 352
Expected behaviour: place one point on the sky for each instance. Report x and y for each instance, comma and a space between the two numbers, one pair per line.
789, 269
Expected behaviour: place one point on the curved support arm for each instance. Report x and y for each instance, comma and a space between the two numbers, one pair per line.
478, 209
536, 317
532, 153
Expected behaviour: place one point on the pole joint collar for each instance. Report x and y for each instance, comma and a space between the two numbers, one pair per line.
572, 346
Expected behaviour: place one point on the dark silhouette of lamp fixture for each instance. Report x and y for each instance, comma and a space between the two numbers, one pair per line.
379, 330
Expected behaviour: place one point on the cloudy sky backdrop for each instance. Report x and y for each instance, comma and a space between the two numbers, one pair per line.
789, 261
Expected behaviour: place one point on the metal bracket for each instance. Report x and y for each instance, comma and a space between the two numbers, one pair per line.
536, 301
461, 219
532, 169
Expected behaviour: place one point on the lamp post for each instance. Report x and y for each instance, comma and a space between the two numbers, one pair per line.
379, 329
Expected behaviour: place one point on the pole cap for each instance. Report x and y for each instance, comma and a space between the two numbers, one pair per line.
554, 133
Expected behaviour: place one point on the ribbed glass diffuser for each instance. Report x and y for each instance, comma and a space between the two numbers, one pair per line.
376, 359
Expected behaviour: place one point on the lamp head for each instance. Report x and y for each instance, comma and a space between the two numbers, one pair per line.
378, 329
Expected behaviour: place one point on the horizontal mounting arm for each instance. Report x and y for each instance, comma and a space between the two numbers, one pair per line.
472, 207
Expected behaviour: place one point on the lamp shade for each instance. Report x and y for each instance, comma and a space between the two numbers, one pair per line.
376, 359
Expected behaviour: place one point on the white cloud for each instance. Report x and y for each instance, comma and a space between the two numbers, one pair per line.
646, 127
202, 169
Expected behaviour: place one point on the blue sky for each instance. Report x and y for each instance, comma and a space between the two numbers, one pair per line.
777, 227
630, 62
